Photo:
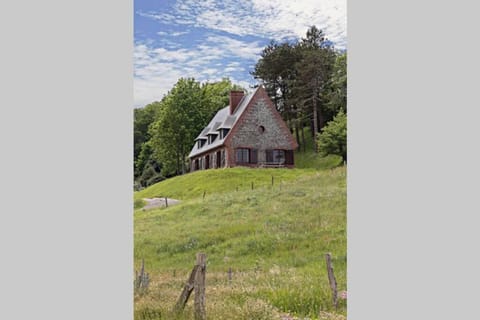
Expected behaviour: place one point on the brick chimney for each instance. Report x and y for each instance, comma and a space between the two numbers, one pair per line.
235, 97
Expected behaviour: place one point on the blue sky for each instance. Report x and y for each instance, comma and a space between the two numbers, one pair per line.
213, 39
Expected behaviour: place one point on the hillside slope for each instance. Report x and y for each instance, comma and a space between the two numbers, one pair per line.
273, 238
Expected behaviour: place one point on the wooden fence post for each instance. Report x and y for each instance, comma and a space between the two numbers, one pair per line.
199, 286
187, 290
230, 275
252, 185
272, 181
331, 279
166, 202
204, 193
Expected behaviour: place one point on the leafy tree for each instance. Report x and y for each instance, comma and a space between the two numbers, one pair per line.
147, 168
336, 92
143, 118
333, 139
176, 125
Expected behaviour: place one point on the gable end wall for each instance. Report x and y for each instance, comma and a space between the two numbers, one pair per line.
260, 112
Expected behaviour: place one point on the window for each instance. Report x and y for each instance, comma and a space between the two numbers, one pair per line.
242, 155
245, 155
211, 138
275, 156
223, 133
201, 142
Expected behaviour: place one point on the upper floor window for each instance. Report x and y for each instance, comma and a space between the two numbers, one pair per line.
223, 133
211, 138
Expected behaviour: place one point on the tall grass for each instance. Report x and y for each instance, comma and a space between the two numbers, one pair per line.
274, 239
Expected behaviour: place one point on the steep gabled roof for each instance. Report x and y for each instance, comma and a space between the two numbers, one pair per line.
222, 120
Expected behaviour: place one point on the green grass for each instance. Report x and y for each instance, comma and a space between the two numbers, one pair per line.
216, 181
305, 157
274, 239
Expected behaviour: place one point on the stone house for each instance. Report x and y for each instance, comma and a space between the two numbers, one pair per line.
248, 132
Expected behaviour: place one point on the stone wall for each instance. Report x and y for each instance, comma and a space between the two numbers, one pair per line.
259, 129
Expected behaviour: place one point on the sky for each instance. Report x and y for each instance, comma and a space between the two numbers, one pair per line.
214, 39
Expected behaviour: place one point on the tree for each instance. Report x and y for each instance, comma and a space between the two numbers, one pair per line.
336, 92
276, 68
143, 118
333, 139
177, 123
313, 72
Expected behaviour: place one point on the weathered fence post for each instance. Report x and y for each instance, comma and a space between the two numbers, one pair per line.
230, 275
272, 181
252, 185
331, 279
199, 286
187, 290
166, 202
196, 282
204, 193
142, 279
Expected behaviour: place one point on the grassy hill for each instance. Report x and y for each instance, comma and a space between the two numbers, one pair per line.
273, 238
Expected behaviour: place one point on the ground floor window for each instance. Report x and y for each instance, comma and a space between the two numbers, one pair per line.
246, 155
276, 156
242, 155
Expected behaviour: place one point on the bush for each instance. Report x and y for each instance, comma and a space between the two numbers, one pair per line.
333, 138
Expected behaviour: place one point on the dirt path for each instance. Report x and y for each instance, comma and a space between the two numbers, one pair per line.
159, 202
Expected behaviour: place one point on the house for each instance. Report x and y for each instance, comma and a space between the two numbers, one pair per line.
248, 132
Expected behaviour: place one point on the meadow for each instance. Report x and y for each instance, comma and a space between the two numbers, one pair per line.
273, 238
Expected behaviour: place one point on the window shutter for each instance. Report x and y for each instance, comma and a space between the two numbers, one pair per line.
288, 156
253, 156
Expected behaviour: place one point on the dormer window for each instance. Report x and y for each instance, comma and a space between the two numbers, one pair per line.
201, 143
211, 138
223, 133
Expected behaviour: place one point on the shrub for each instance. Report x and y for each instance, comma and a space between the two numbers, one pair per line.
333, 138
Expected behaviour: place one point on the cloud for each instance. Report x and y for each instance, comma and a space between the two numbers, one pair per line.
228, 39
277, 19
157, 69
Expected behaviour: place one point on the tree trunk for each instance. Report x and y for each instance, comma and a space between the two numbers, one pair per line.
321, 120
297, 134
315, 122
303, 139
